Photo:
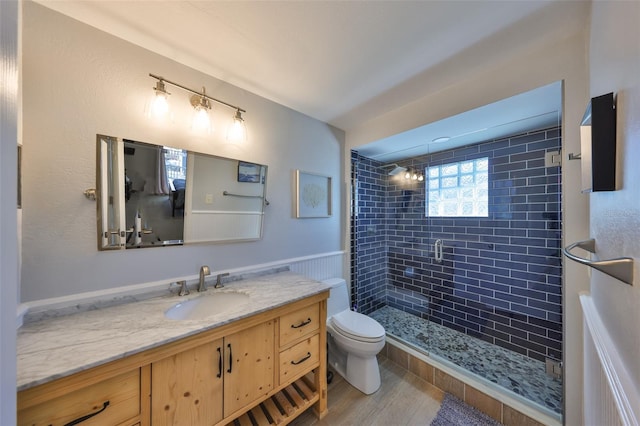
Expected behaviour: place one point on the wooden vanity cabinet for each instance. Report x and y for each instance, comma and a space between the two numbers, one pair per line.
301, 367
87, 400
186, 388
249, 370
201, 386
299, 342
266, 368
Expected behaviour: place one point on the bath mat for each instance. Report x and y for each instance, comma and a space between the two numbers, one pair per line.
455, 412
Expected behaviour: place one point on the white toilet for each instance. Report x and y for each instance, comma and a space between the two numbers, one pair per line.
354, 340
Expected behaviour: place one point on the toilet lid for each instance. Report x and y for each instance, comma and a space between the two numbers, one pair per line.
358, 326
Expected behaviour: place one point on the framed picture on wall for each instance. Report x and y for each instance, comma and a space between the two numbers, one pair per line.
248, 172
313, 195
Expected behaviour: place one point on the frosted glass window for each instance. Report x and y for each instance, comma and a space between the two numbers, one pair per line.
458, 189
467, 180
449, 169
466, 167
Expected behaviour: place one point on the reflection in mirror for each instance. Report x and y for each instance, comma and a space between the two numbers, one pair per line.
111, 227
154, 193
227, 199
153, 196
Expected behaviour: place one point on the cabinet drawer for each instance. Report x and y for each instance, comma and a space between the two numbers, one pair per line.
119, 396
299, 358
299, 323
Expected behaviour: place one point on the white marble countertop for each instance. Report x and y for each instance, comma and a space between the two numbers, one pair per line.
58, 347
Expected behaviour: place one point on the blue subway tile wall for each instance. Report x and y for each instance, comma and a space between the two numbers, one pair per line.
368, 225
500, 279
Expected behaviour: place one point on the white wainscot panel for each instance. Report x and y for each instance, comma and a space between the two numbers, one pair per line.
215, 225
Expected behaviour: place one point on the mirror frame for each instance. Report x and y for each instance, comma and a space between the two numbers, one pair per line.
111, 225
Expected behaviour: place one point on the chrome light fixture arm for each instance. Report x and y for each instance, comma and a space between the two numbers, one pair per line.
195, 92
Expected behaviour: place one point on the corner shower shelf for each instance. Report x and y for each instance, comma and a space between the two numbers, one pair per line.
620, 268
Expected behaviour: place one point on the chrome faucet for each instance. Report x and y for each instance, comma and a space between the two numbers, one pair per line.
184, 290
219, 280
203, 271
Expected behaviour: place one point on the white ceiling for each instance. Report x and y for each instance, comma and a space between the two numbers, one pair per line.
537, 109
342, 62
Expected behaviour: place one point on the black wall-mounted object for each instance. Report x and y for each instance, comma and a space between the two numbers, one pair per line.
598, 144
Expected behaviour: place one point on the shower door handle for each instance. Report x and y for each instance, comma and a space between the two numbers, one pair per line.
437, 248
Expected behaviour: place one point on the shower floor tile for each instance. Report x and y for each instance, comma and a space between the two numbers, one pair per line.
515, 372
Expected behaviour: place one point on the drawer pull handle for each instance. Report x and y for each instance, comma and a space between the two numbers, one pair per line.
302, 324
219, 363
88, 416
230, 358
302, 360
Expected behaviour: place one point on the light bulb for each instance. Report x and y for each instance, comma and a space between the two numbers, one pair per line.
159, 105
420, 178
237, 131
201, 122
414, 176
407, 175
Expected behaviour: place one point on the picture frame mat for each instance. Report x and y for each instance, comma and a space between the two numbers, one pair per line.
313, 195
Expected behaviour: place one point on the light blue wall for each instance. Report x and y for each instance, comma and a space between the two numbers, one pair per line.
79, 81
615, 216
9, 252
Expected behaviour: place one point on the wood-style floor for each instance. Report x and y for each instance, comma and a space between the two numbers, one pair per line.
403, 399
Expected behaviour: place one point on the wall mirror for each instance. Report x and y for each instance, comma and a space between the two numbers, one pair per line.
153, 196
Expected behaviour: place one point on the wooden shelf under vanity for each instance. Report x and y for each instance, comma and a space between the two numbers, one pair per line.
283, 407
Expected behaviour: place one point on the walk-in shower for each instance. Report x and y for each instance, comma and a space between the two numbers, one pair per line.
490, 298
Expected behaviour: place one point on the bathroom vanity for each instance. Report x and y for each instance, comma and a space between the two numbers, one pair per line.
264, 361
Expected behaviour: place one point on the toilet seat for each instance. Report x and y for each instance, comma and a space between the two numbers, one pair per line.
358, 326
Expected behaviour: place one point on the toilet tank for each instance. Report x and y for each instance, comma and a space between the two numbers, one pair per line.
338, 296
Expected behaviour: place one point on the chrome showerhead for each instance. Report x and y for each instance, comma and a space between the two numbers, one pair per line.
397, 169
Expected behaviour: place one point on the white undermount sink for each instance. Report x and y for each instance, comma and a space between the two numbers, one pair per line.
206, 305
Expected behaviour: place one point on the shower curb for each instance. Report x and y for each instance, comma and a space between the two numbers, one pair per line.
495, 403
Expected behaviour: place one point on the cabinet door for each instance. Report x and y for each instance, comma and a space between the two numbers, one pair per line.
186, 388
249, 366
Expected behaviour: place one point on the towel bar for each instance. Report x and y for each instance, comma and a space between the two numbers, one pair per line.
266, 202
620, 268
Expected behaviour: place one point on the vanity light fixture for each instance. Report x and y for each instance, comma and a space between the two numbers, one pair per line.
201, 121
237, 131
160, 104
201, 103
